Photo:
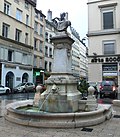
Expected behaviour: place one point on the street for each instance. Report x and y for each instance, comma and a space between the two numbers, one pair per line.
17, 96
109, 128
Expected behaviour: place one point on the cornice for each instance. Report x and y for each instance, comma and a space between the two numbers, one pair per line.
104, 32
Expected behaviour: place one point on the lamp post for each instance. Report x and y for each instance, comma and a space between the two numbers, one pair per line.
84, 39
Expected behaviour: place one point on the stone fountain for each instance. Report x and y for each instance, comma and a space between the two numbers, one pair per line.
60, 105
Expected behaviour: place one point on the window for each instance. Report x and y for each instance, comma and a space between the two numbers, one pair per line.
41, 17
109, 47
41, 30
36, 15
41, 62
17, 1
7, 8
5, 29
46, 51
46, 65
10, 55
17, 35
36, 27
35, 43
50, 66
24, 60
27, 19
50, 38
26, 5
108, 19
19, 15
35, 61
26, 38
41, 46
50, 52
46, 36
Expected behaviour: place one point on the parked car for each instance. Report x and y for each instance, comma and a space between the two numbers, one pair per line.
108, 89
4, 89
24, 87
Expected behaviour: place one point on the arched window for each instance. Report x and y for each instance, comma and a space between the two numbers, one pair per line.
25, 77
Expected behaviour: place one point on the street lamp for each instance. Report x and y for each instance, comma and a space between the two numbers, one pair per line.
83, 39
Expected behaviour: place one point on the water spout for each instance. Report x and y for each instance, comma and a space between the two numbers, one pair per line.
53, 89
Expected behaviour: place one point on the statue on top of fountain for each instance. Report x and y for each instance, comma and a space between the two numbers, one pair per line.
62, 23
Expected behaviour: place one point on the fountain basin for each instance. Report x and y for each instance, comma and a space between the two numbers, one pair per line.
56, 120
116, 103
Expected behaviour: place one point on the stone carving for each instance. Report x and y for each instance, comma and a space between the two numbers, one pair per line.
37, 95
91, 104
62, 23
91, 91
54, 88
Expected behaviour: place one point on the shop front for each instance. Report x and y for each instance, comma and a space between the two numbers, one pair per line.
38, 76
105, 68
110, 72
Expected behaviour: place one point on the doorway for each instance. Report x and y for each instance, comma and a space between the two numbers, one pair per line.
9, 79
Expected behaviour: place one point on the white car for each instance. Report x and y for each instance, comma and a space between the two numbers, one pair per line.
24, 87
4, 89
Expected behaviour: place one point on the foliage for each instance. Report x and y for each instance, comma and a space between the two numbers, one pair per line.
82, 86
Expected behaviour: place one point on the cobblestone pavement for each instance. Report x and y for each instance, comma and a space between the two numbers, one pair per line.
110, 128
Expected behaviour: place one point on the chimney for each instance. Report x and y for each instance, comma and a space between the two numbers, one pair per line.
49, 15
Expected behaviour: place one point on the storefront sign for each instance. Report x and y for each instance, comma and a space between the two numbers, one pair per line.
109, 73
37, 73
105, 60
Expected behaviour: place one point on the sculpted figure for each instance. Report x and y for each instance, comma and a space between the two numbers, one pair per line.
62, 23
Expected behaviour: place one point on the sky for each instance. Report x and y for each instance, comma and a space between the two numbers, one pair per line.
77, 12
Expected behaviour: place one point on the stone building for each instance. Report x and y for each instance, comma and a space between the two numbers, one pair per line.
104, 39
50, 31
79, 57
16, 41
39, 46
26, 52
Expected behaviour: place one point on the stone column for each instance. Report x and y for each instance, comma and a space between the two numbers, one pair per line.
62, 54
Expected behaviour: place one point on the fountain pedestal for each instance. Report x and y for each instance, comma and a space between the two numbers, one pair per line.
65, 97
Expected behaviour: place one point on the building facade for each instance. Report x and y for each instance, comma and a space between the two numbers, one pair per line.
39, 45
50, 31
26, 51
104, 39
79, 58
83, 60
16, 41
